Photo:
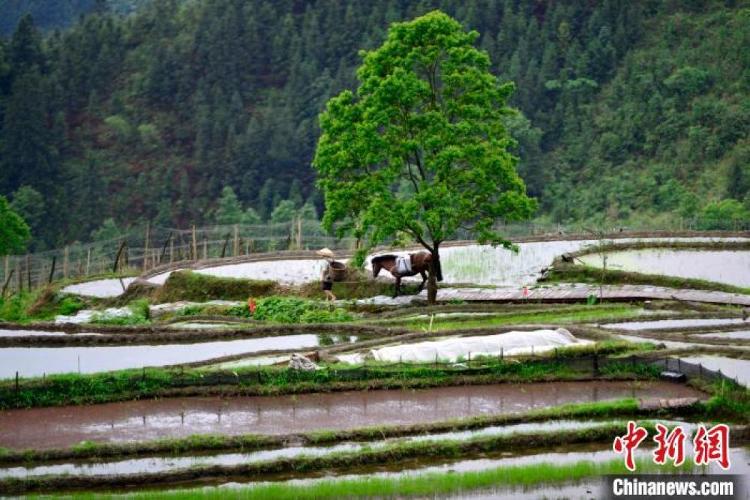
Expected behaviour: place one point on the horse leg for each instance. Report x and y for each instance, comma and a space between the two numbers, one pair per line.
424, 280
397, 287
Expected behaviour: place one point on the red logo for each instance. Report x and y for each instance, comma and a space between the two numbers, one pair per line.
629, 443
710, 445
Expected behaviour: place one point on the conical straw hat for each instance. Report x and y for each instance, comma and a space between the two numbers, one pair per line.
325, 252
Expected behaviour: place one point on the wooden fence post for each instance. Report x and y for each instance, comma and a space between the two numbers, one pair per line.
52, 269
195, 245
236, 245
7, 282
205, 247
299, 233
171, 249
19, 277
66, 252
28, 272
117, 256
88, 261
145, 245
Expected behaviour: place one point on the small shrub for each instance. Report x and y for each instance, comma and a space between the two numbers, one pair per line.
297, 310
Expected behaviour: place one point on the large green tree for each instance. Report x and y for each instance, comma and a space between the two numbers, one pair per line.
421, 150
14, 233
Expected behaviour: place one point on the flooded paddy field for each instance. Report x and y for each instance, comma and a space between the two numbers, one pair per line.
478, 264
432, 470
101, 289
56, 427
722, 266
738, 369
38, 361
43, 333
660, 324
733, 335
167, 463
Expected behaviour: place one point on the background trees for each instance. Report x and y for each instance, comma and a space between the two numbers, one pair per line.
14, 233
149, 116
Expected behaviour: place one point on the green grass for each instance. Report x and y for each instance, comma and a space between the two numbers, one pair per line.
121, 385
729, 402
421, 485
586, 314
38, 305
191, 286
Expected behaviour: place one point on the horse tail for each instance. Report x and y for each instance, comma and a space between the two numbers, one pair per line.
437, 267
376, 267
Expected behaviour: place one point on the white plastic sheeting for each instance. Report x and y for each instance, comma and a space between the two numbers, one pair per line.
513, 343
86, 315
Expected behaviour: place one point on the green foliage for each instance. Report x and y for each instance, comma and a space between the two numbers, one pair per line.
29, 204
153, 114
229, 209
283, 212
724, 214
295, 310
107, 231
14, 233
421, 148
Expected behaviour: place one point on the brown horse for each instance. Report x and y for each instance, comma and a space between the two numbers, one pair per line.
420, 264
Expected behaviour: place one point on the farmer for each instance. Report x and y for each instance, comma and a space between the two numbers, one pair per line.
326, 273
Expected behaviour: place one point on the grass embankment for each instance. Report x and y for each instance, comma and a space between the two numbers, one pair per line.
344, 461
578, 273
188, 285
55, 390
419, 485
575, 314
88, 450
38, 305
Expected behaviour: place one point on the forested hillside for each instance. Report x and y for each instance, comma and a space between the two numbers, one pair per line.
54, 14
630, 110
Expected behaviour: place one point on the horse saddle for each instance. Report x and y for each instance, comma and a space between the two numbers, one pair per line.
403, 264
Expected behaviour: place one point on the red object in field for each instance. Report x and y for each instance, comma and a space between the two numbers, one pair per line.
251, 305
525, 292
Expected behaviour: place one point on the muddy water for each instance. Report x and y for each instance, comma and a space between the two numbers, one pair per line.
36, 361
177, 417
723, 266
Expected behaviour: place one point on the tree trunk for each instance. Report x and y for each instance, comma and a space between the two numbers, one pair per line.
435, 274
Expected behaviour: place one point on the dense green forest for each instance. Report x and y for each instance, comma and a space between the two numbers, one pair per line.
54, 14
631, 111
